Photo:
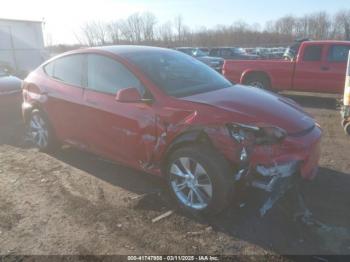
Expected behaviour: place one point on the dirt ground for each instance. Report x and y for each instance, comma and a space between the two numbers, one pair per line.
75, 203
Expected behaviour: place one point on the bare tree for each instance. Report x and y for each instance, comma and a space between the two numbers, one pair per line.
165, 33
148, 23
94, 33
342, 24
142, 28
179, 27
114, 32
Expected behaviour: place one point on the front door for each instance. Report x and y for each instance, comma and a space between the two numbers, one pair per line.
124, 132
336, 63
310, 71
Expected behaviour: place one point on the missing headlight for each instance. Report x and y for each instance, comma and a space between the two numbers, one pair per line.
259, 135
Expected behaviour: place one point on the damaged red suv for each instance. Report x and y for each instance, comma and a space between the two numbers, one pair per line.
168, 114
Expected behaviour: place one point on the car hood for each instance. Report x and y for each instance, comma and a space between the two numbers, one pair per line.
250, 105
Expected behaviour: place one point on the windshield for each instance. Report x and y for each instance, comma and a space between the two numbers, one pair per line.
177, 74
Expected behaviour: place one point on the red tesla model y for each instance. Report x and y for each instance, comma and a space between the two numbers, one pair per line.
168, 114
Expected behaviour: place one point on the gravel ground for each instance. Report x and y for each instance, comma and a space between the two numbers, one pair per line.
76, 203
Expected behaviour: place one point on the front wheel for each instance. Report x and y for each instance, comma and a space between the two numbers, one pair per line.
199, 179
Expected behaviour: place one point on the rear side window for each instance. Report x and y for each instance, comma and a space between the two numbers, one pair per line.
109, 76
49, 69
338, 53
313, 53
68, 69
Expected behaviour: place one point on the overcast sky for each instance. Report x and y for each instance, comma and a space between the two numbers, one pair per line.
65, 17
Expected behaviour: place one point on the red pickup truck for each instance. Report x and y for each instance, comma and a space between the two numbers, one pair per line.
309, 66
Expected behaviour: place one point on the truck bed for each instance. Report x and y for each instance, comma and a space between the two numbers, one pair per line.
280, 72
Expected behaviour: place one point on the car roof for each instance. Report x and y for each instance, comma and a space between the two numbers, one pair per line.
226, 47
327, 42
126, 49
178, 48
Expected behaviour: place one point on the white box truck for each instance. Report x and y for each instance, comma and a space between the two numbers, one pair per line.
21, 45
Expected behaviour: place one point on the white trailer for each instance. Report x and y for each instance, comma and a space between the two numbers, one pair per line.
21, 45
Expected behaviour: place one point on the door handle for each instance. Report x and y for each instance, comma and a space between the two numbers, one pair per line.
325, 68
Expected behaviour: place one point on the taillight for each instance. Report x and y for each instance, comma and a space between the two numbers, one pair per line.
30, 91
347, 92
347, 85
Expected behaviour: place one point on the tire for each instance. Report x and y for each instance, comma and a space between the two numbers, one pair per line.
344, 122
347, 129
213, 174
258, 81
40, 132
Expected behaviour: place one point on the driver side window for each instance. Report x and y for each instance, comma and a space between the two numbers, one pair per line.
106, 75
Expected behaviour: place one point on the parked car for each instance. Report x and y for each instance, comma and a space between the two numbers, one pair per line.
166, 113
232, 53
346, 101
205, 50
10, 92
310, 66
214, 62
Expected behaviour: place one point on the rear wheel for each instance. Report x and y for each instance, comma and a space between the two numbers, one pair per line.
344, 122
199, 180
258, 81
347, 128
40, 132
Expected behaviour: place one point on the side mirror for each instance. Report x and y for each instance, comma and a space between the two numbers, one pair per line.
128, 95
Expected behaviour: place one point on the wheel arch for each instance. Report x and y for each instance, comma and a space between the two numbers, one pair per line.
184, 139
29, 108
255, 73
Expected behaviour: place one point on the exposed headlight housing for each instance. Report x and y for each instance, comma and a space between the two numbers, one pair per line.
259, 135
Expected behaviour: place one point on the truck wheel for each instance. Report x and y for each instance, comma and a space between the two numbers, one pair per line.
347, 129
40, 132
258, 81
199, 180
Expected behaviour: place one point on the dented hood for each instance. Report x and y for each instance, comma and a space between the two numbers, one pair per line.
256, 106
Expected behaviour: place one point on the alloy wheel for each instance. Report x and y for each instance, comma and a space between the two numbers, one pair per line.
191, 183
257, 84
38, 131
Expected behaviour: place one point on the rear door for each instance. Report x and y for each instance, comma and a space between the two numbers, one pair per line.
124, 132
337, 57
311, 69
64, 89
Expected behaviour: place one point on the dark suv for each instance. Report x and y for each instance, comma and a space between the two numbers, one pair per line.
233, 53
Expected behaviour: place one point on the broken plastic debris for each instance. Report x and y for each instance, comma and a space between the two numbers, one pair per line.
166, 214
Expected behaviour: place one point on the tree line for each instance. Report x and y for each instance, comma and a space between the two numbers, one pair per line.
144, 28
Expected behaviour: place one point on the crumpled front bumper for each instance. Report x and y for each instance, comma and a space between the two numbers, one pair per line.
276, 181
277, 171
